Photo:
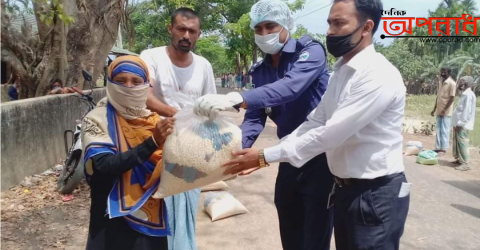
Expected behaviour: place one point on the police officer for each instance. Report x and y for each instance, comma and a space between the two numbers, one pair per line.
289, 82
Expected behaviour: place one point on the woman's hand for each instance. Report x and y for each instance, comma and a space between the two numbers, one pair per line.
163, 129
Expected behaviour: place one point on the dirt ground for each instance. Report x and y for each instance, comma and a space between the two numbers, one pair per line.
446, 159
35, 217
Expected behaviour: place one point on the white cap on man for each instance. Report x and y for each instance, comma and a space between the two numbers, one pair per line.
274, 11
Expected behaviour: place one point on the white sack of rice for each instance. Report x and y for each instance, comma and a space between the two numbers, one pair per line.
217, 186
194, 153
413, 148
220, 205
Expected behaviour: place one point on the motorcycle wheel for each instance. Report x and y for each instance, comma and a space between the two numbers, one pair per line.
68, 181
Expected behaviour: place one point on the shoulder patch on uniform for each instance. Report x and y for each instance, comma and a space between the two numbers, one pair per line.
304, 56
256, 65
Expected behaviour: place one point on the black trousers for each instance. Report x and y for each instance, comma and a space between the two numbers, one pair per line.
116, 234
301, 196
371, 216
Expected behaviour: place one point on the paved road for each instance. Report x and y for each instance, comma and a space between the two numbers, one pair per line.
444, 212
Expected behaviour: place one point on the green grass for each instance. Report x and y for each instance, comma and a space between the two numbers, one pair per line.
420, 107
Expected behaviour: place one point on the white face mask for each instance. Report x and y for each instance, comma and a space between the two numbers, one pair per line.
270, 43
130, 102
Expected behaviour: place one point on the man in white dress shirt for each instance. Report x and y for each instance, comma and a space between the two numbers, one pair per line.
358, 124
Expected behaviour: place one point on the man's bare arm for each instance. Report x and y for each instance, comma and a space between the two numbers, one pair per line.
158, 106
435, 107
449, 103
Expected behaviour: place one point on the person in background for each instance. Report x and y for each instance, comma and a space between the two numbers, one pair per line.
176, 69
56, 87
14, 88
231, 81
289, 84
13, 92
123, 163
244, 81
443, 109
227, 80
224, 80
250, 80
463, 121
239, 81
358, 124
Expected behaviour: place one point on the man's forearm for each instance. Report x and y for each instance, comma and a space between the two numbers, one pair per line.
159, 107
449, 103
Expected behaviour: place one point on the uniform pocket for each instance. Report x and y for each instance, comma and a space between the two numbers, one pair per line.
368, 211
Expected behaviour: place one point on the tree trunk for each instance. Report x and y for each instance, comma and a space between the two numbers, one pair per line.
91, 40
245, 63
254, 54
52, 60
238, 64
61, 51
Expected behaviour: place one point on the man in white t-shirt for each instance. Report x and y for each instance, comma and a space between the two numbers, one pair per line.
175, 69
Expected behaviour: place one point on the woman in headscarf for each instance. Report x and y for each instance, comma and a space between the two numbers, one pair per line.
123, 142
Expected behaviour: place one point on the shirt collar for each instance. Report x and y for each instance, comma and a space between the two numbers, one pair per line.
290, 46
448, 79
465, 92
358, 61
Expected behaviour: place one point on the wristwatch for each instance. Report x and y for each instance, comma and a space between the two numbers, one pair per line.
261, 159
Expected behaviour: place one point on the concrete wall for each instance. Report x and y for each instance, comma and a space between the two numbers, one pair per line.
32, 133
4, 92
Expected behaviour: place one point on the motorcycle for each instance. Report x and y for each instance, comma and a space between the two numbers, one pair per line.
73, 170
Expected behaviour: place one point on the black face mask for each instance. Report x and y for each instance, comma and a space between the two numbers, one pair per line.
341, 45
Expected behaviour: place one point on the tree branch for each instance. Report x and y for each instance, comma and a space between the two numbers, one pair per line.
15, 42
41, 8
9, 57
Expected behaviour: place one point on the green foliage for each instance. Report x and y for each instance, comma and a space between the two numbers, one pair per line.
410, 65
297, 5
151, 26
467, 62
301, 31
422, 60
240, 39
56, 11
211, 48
150, 20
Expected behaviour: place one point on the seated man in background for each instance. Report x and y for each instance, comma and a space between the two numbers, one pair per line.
56, 87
